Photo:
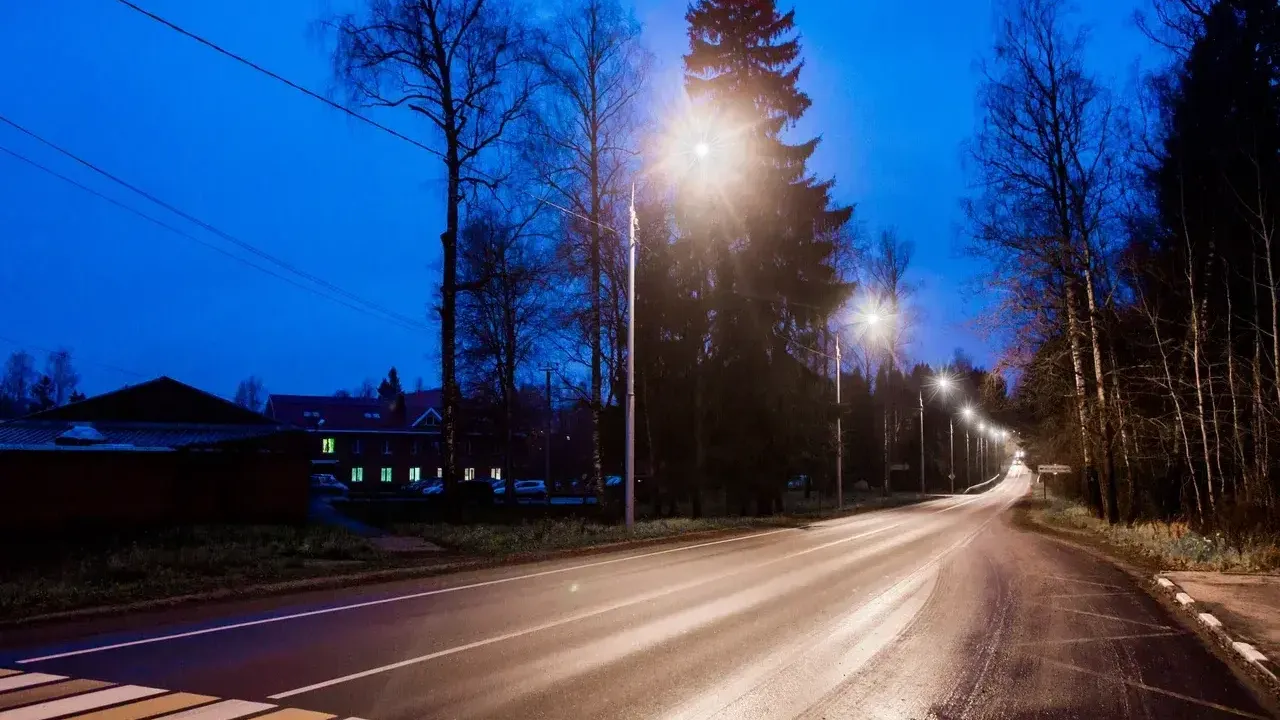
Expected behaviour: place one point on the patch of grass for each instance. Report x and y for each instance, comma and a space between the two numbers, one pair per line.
1168, 545
52, 577
506, 540
548, 535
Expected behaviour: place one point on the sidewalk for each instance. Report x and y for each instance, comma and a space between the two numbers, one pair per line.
1249, 605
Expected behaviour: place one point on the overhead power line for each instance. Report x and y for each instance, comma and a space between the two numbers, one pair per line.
367, 304
344, 109
194, 239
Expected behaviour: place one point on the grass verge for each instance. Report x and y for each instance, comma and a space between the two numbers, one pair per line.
1162, 545
551, 535
45, 578
164, 567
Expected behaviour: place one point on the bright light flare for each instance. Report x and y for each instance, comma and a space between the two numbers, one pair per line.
967, 412
701, 149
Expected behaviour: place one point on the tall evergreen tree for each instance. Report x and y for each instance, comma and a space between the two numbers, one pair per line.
389, 389
772, 275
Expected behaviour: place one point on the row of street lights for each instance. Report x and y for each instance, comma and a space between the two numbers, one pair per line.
987, 433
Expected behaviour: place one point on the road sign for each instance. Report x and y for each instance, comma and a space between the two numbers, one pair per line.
951, 476
1053, 469
900, 466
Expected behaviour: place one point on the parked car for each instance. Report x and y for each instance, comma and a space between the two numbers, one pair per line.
531, 491
326, 484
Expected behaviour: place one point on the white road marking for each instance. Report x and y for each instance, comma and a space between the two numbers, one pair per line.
566, 620
429, 593
225, 710
398, 598
80, 703
21, 681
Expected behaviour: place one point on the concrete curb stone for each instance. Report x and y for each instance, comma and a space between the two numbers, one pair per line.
1259, 662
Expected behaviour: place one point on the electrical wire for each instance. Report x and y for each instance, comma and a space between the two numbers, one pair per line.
344, 109
192, 238
367, 304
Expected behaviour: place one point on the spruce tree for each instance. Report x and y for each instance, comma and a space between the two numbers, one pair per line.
768, 234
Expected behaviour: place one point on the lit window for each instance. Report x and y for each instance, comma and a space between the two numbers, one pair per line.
439, 472
495, 473
327, 446
355, 446
386, 447
357, 474
415, 474
470, 475
386, 474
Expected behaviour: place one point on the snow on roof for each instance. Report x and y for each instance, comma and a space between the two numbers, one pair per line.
81, 434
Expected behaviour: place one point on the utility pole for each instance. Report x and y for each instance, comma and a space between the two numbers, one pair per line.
951, 439
921, 395
968, 462
839, 435
551, 411
630, 489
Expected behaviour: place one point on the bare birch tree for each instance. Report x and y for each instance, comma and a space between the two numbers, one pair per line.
462, 66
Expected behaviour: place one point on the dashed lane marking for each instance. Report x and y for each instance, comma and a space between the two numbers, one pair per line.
40, 696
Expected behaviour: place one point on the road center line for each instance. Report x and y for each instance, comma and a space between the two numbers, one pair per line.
567, 620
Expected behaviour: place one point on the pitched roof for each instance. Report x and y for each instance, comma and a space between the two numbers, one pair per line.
163, 400
29, 434
350, 413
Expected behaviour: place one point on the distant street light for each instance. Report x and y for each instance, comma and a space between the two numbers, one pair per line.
701, 149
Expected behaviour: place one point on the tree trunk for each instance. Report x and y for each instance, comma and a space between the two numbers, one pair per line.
509, 392
1178, 414
1241, 466
1077, 368
449, 322
1197, 312
1109, 504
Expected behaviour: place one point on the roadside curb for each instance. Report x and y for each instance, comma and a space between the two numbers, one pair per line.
1260, 663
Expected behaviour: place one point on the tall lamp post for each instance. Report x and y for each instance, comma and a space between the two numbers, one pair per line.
839, 433
700, 151
967, 413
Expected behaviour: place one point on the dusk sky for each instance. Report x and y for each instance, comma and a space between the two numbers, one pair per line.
893, 99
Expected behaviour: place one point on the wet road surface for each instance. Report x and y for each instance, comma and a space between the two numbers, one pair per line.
938, 610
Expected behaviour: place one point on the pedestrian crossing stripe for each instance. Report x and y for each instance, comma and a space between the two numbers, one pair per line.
44, 696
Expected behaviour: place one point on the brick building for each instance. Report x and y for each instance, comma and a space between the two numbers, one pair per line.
375, 445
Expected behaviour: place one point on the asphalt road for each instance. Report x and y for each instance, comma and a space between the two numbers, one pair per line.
937, 610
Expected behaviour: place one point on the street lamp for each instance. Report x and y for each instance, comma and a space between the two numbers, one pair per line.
701, 150
967, 413
943, 384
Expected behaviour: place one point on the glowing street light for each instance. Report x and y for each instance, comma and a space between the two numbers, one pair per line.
701, 150
967, 412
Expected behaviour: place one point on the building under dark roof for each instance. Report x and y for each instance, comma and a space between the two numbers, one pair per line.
377, 445
161, 452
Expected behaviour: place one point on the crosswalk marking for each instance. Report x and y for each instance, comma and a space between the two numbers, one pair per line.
48, 691
45, 696
225, 710
80, 703
148, 708
20, 681
295, 714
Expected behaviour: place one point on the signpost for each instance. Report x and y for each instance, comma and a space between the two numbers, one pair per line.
1051, 470
900, 466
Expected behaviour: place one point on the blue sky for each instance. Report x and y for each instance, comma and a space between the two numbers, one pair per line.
892, 84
